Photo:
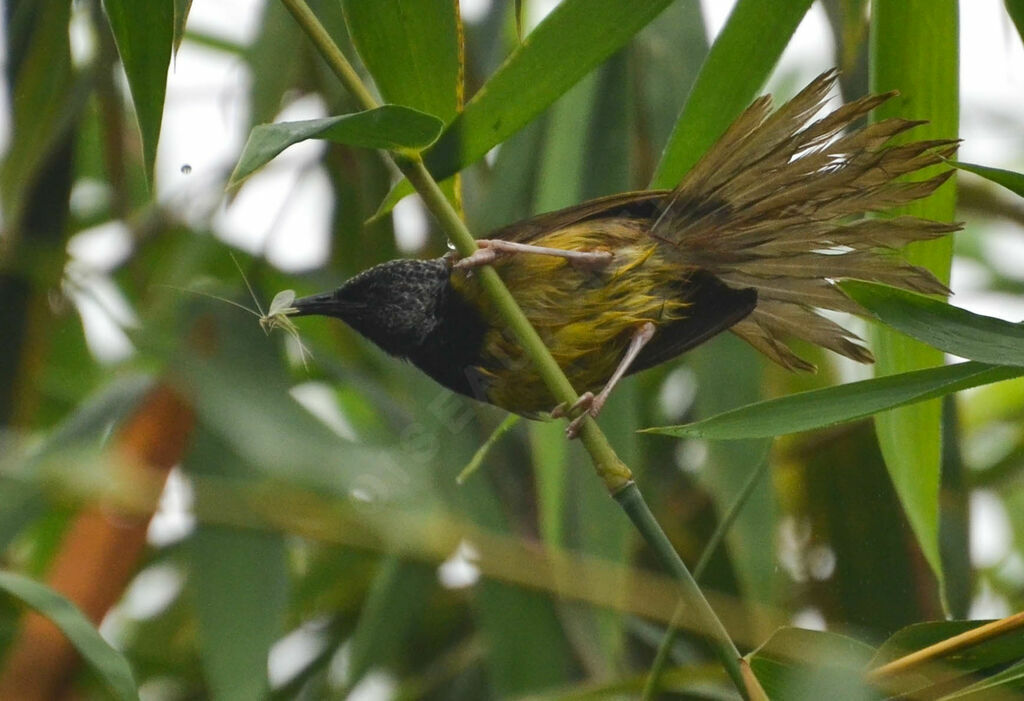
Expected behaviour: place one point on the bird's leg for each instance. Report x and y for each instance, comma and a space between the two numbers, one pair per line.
591, 404
489, 250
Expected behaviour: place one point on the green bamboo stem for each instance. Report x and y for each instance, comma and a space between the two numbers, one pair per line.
616, 476
632, 502
654, 677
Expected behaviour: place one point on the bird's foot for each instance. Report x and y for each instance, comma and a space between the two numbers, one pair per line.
588, 404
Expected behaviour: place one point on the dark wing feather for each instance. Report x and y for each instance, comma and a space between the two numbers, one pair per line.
713, 308
631, 205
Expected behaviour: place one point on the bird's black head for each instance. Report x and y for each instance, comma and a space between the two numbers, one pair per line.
395, 304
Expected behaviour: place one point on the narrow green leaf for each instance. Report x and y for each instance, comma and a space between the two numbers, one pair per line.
531, 79
181, 10
109, 664
411, 48
272, 79
826, 407
943, 326
528, 651
536, 73
808, 664
1015, 8
240, 581
914, 49
45, 100
83, 429
481, 454
731, 373
984, 656
740, 61
1007, 684
144, 33
390, 614
398, 192
1012, 181
389, 127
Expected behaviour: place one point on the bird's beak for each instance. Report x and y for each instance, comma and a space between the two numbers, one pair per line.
322, 303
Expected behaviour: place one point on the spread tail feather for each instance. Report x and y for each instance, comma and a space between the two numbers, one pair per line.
772, 207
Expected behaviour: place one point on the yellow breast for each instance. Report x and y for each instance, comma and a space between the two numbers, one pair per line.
585, 317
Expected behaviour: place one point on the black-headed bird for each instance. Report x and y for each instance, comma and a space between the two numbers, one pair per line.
752, 240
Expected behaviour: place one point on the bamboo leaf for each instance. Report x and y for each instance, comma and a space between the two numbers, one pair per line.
109, 664
240, 580
536, 74
46, 100
389, 127
809, 664
737, 66
1015, 8
976, 657
1007, 684
1012, 181
919, 58
145, 35
411, 48
855, 400
531, 79
943, 326
181, 10
389, 615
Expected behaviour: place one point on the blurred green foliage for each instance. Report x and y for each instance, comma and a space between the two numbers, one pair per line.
344, 551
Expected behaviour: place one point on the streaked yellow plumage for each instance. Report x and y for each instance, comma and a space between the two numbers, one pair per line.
585, 317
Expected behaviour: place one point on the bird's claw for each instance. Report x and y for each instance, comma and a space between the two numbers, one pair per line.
480, 257
588, 404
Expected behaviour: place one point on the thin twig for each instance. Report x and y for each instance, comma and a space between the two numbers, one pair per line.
947, 647
654, 677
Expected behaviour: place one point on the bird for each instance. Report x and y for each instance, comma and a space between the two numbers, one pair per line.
752, 240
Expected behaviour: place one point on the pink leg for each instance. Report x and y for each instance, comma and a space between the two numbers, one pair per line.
489, 250
592, 404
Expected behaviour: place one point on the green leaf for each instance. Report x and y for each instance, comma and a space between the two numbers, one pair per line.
943, 326
411, 48
45, 100
240, 581
1015, 8
920, 60
1006, 684
537, 73
389, 615
731, 373
84, 429
530, 80
740, 61
145, 34
975, 659
1007, 178
181, 10
388, 127
109, 664
826, 407
807, 664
